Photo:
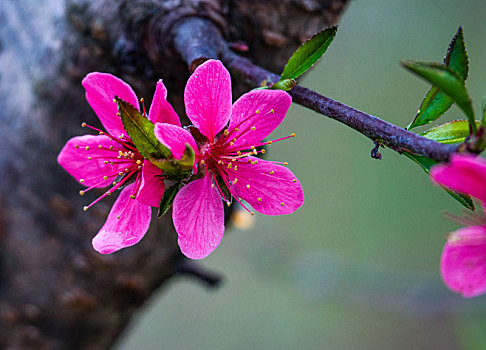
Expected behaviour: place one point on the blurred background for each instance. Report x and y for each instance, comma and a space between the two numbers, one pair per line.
357, 267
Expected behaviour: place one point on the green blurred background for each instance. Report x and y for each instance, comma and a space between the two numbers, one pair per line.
357, 266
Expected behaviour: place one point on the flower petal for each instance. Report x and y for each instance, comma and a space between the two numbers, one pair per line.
198, 216
175, 139
208, 98
101, 89
152, 186
160, 110
261, 110
463, 262
129, 229
74, 158
465, 174
271, 189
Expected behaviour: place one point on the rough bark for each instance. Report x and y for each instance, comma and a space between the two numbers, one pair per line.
55, 291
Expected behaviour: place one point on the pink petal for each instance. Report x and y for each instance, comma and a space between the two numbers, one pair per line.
465, 174
175, 139
152, 186
161, 111
129, 229
266, 191
463, 262
74, 159
262, 110
198, 216
208, 98
101, 89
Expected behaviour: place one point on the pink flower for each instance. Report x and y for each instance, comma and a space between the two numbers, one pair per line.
226, 161
463, 261
111, 159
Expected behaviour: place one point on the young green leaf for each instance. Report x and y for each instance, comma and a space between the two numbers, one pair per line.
308, 53
168, 199
174, 169
141, 131
436, 102
427, 163
285, 84
451, 132
483, 108
448, 81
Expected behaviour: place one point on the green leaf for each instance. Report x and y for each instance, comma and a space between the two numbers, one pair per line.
141, 131
427, 163
456, 56
451, 132
285, 84
174, 169
483, 108
168, 199
448, 81
436, 103
308, 53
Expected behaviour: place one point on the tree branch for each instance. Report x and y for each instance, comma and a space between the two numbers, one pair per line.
209, 43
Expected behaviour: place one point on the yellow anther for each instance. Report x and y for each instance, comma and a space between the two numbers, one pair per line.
259, 199
132, 196
220, 161
127, 170
272, 111
233, 160
270, 142
203, 162
235, 181
118, 217
118, 114
293, 134
141, 100
85, 208
253, 128
236, 167
120, 173
272, 172
81, 180
101, 133
89, 158
108, 193
226, 132
212, 186
114, 100
294, 181
248, 186
100, 147
106, 162
263, 151
236, 129
138, 161
76, 146
229, 165
81, 193
255, 152
285, 163
87, 148
252, 147
112, 163
228, 203
111, 146
105, 177
83, 125
139, 167
232, 143
282, 204
257, 111
252, 212
234, 139
239, 153
114, 183
121, 136
120, 153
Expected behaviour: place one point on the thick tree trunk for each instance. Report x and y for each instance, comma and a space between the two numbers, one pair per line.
56, 292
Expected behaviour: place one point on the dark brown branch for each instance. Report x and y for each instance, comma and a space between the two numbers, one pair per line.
194, 48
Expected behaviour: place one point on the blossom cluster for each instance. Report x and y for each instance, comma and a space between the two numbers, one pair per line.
225, 138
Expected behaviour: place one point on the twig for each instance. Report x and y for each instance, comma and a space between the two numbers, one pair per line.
208, 43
